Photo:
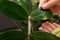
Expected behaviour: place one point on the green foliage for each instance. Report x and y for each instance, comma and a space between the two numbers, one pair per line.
20, 10
13, 35
24, 25
22, 3
43, 36
36, 25
13, 10
39, 14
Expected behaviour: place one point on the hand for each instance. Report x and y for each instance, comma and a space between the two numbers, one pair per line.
52, 28
53, 5
49, 27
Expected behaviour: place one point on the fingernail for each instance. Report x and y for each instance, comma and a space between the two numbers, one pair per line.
39, 6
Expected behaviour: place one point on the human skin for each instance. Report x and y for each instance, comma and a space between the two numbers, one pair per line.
49, 27
54, 6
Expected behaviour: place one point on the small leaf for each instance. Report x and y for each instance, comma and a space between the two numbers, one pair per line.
39, 14
13, 35
43, 36
13, 10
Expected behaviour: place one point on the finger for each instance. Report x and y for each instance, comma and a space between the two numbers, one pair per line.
55, 10
55, 24
49, 4
47, 27
45, 30
51, 25
42, 2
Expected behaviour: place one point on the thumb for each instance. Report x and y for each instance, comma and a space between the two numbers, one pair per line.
41, 2
49, 4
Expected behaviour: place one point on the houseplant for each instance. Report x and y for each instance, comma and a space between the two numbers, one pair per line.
21, 11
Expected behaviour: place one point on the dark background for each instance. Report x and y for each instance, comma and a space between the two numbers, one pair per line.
6, 23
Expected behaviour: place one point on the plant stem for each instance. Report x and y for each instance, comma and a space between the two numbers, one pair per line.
17, 25
29, 27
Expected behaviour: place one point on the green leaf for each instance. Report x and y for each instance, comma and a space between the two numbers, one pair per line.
39, 14
36, 25
13, 10
43, 36
23, 3
13, 35
24, 25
